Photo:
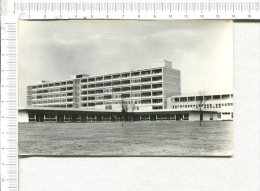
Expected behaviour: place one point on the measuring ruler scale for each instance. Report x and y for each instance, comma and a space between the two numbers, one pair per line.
9, 112
16, 10
139, 10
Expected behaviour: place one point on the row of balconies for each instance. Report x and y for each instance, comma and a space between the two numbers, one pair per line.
93, 86
63, 105
87, 99
51, 96
122, 89
52, 84
205, 98
143, 102
52, 91
52, 101
204, 106
118, 96
121, 83
99, 78
122, 75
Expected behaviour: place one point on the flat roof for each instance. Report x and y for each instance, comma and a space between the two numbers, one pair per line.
81, 110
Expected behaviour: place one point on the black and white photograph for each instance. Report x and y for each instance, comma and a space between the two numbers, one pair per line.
126, 88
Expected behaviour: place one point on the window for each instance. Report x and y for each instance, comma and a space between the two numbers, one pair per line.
125, 95
116, 76
107, 77
185, 116
125, 88
183, 99
117, 96
135, 73
191, 98
125, 75
144, 87
91, 104
91, 85
225, 96
107, 90
99, 78
91, 79
116, 89
116, 83
137, 80
155, 86
145, 94
84, 80
176, 99
126, 82
107, 84
107, 96
100, 97
99, 85
156, 71
157, 78
216, 97
157, 93
157, 100
135, 95
108, 107
84, 98
91, 98
91, 92
146, 72
199, 98
146, 101
146, 79
100, 91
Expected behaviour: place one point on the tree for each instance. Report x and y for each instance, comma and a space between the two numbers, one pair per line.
124, 109
201, 103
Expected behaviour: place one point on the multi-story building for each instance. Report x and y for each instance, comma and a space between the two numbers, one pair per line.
141, 90
221, 104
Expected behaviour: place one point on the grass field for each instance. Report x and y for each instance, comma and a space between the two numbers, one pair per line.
166, 138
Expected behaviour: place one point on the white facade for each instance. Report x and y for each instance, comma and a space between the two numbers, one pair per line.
141, 90
220, 103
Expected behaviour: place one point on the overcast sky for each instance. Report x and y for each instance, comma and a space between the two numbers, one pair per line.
55, 50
